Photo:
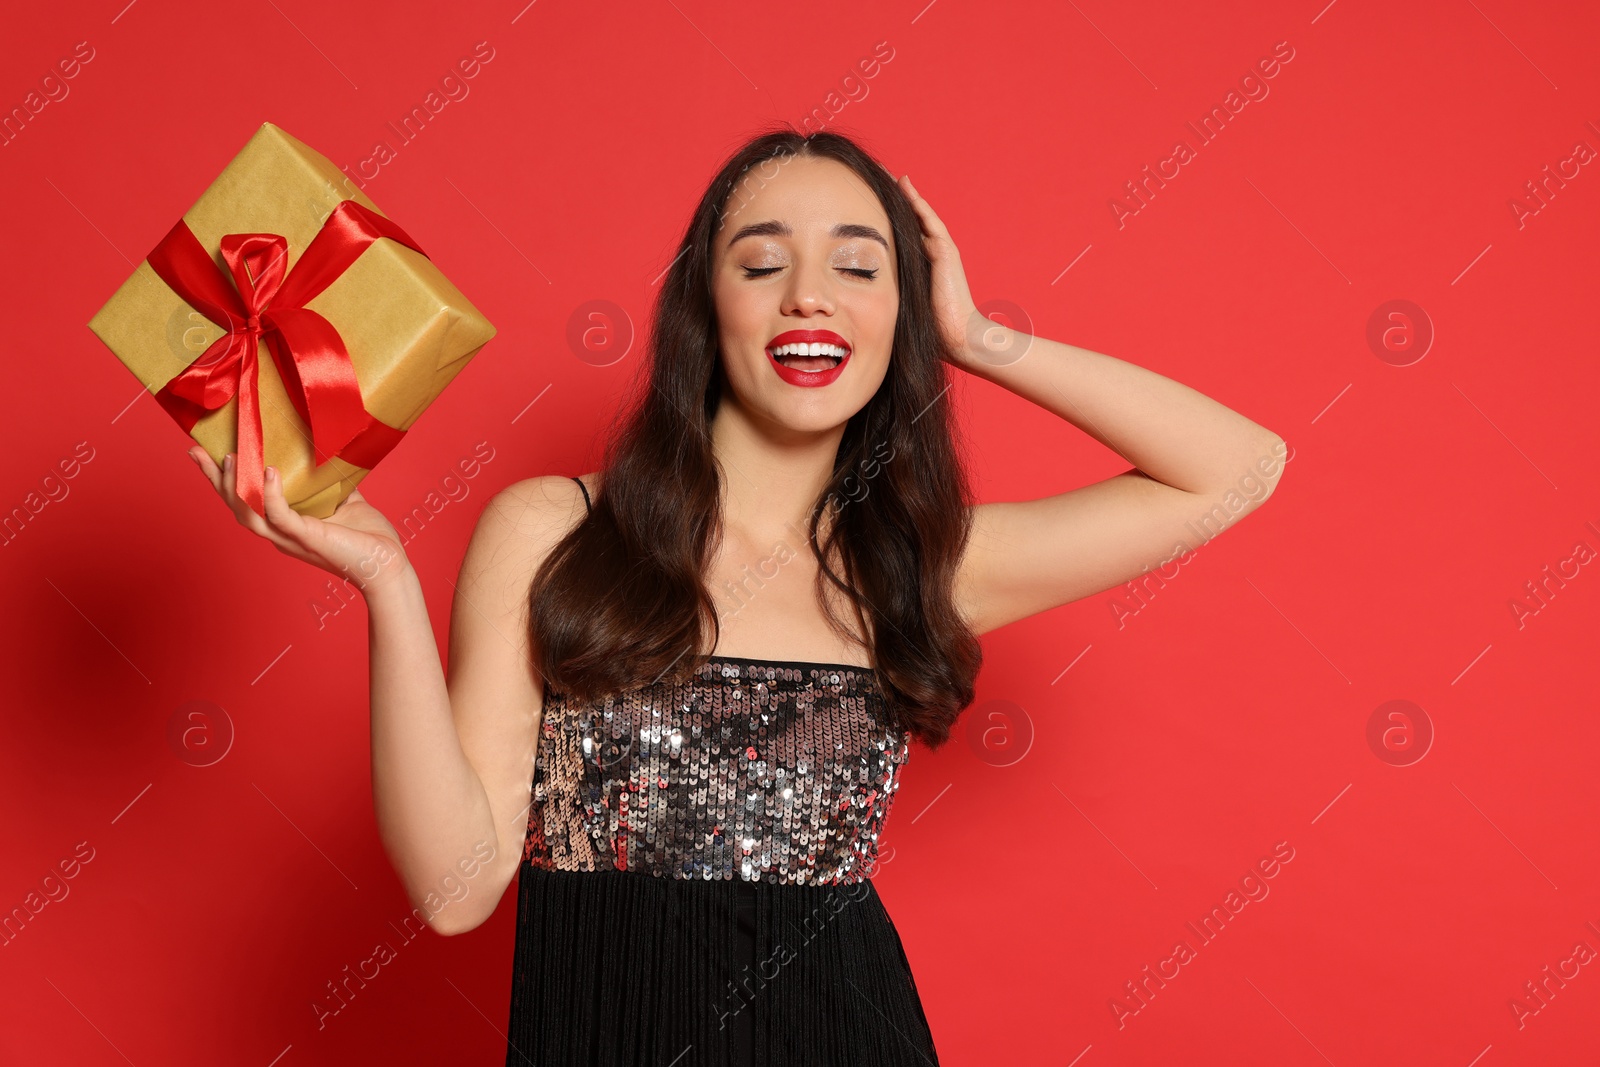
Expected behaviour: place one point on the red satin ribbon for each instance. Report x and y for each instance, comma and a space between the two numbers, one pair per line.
269, 305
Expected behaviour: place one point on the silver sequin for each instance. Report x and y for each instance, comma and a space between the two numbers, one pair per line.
720, 776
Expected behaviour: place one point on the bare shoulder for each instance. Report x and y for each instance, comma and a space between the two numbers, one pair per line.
516, 530
539, 508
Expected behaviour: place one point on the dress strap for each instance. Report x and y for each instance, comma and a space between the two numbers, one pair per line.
586, 505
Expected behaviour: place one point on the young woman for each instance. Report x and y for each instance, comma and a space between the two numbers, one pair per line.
682, 689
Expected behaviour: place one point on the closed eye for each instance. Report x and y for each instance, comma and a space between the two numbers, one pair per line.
762, 272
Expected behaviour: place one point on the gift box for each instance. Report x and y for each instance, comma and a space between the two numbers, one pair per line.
284, 318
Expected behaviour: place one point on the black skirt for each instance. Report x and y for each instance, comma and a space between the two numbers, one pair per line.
617, 967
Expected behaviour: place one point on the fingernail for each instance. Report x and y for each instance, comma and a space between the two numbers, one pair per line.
191, 455
227, 462
272, 475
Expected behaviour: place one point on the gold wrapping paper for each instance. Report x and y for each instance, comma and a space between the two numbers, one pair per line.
408, 329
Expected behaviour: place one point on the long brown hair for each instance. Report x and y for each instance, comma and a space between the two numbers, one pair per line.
621, 600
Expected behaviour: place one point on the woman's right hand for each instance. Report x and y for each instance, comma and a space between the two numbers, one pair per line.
355, 542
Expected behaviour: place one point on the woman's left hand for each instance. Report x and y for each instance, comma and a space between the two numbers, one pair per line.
953, 307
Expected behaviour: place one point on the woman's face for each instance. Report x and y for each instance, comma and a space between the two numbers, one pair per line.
805, 256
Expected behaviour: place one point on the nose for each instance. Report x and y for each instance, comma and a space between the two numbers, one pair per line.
810, 291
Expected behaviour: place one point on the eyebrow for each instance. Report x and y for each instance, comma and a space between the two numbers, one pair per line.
778, 228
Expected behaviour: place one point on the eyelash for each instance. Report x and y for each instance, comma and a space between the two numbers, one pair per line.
762, 272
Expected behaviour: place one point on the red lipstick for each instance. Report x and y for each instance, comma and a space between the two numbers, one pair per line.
808, 378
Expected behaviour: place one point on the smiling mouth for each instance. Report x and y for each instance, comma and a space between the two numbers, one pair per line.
818, 356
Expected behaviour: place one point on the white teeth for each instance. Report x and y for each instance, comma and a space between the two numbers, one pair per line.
817, 349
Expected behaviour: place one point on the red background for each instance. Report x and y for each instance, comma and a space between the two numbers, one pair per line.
1228, 714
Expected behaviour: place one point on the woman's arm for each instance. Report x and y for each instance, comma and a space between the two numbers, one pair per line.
452, 763
432, 808
1198, 466
1168, 431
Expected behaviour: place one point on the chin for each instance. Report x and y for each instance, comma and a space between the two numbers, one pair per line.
812, 420
799, 408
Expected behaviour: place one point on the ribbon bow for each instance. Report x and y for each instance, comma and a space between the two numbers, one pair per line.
266, 302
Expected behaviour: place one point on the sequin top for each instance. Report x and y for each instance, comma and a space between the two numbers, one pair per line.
763, 770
